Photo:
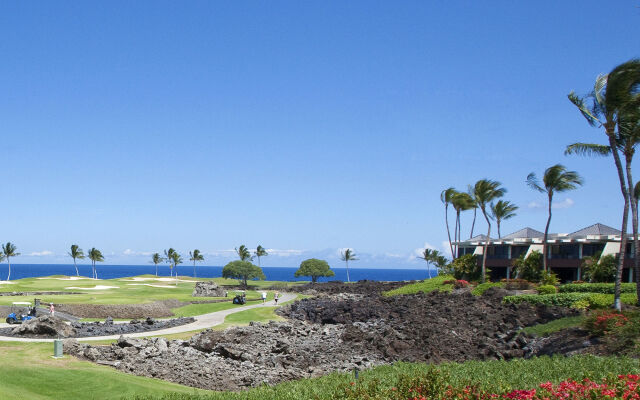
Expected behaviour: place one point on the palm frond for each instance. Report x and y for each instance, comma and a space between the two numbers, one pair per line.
589, 115
588, 149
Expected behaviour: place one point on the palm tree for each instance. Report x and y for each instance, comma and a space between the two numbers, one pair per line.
195, 256
244, 253
168, 256
76, 252
95, 256
446, 197
260, 252
176, 259
501, 211
156, 259
461, 202
431, 257
2, 256
611, 99
556, 179
486, 191
475, 209
9, 251
346, 256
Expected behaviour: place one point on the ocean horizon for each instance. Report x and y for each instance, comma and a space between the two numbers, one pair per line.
106, 271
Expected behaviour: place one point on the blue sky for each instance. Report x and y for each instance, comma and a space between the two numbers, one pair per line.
305, 127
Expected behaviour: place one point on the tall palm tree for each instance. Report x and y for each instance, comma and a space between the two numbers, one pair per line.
556, 179
461, 202
195, 256
76, 253
475, 209
260, 252
431, 257
346, 256
446, 196
612, 97
156, 259
9, 251
95, 256
168, 256
486, 191
2, 256
176, 259
502, 210
244, 253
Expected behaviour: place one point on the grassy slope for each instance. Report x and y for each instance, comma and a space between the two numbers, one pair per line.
426, 286
555, 325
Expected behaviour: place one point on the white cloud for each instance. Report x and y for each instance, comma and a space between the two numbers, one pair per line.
566, 203
40, 253
129, 252
534, 204
284, 253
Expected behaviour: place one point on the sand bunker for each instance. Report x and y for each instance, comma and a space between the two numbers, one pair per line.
140, 279
6, 283
97, 287
69, 278
148, 284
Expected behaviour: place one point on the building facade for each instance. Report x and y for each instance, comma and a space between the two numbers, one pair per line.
565, 251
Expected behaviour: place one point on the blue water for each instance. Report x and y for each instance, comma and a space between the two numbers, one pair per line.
19, 271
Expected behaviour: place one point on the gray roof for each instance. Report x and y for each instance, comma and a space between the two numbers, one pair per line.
596, 229
526, 233
478, 238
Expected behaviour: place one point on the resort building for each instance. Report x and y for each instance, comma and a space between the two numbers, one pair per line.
566, 250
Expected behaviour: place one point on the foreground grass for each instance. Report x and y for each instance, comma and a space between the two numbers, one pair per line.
490, 375
27, 372
426, 286
555, 325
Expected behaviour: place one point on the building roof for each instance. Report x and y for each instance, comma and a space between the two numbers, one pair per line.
596, 229
478, 238
526, 233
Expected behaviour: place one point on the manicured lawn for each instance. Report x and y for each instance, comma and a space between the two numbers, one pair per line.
555, 325
426, 286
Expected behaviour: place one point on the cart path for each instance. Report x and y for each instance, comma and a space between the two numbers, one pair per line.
203, 321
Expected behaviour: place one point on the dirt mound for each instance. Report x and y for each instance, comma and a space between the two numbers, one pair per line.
157, 309
335, 287
434, 327
45, 326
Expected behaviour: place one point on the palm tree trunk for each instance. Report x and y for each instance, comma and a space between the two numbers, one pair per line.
156, 269
456, 234
634, 222
194, 268
259, 265
474, 222
74, 264
9, 276
498, 224
446, 220
545, 254
347, 261
486, 246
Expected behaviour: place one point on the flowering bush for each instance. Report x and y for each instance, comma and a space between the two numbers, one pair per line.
460, 283
605, 322
433, 386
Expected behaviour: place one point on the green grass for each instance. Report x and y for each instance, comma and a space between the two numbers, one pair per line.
426, 286
27, 372
555, 325
490, 375
481, 288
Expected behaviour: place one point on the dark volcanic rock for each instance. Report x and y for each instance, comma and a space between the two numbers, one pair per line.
208, 289
45, 325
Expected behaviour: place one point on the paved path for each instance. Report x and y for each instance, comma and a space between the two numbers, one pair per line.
203, 321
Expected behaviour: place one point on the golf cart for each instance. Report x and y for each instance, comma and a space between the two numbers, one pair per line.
17, 315
241, 297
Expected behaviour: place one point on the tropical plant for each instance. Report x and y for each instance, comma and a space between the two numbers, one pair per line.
461, 202
446, 196
315, 269
195, 256
556, 179
243, 271
176, 259
466, 267
502, 210
9, 251
432, 257
614, 103
2, 256
346, 256
95, 256
156, 259
486, 191
599, 269
475, 209
529, 268
244, 253
260, 252
168, 257
76, 253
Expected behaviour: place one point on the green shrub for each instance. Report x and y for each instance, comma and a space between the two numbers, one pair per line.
574, 300
547, 289
481, 288
516, 284
426, 286
605, 288
467, 268
549, 278
600, 269
529, 268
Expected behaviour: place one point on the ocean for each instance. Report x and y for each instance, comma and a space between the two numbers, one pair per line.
19, 271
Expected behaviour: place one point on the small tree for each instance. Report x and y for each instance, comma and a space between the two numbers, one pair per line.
529, 268
346, 256
195, 256
260, 252
76, 252
243, 253
315, 269
176, 259
599, 269
95, 256
168, 257
433, 257
466, 267
156, 259
243, 271
9, 251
